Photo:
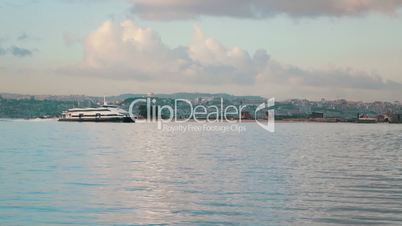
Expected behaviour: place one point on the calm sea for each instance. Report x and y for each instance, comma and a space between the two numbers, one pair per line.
54, 173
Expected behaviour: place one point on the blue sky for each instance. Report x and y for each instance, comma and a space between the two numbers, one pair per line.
312, 50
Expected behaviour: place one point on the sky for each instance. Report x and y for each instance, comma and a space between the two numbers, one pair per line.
312, 49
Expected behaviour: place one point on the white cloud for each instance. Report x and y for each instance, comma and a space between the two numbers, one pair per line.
180, 9
127, 51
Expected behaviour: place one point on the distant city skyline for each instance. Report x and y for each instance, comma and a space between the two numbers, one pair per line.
310, 49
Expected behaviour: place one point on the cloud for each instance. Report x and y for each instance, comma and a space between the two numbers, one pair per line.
127, 51
184, 9
20, 52
331, 78
23, 37
16, 51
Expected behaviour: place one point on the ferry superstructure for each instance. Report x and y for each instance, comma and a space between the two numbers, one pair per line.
365, 119
104, 113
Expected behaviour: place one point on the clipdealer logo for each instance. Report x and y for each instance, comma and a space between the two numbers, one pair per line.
203, 114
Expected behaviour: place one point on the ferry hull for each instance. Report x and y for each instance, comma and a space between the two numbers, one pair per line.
121, 120
370, 121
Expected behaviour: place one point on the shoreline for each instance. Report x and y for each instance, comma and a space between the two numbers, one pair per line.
234, 121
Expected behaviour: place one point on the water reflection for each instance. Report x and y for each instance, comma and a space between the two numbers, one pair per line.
116, 174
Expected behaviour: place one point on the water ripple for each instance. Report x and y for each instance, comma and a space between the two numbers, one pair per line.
113, 174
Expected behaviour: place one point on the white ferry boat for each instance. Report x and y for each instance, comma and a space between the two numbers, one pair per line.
104, 113
365, 119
